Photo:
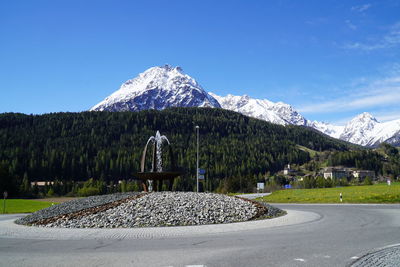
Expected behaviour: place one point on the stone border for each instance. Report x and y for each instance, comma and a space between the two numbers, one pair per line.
8, 229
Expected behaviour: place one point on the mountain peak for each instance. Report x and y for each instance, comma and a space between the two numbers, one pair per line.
166, 86
168, 67
279, 113
158, 88
365, 116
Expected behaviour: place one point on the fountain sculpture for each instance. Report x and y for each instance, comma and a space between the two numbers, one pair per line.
153, 180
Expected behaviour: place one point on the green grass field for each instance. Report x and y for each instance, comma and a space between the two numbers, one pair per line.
310, 151
23, 205
380, 193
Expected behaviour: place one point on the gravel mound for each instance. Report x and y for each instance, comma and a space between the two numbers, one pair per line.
385, 257
272, 211
74, 206
166, 209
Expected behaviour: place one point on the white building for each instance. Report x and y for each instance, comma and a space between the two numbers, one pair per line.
336, 173
361, 174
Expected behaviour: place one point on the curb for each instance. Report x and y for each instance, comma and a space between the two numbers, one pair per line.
8, 229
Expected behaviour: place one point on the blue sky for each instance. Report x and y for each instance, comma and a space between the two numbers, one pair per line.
331, 60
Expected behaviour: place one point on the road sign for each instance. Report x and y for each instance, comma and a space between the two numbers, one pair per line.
288, 186
201, 177
202, 171
260, 186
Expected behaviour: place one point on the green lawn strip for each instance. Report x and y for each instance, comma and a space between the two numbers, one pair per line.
380, 193
23, 205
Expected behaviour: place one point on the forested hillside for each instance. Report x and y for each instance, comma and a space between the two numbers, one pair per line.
108, 145
384, 161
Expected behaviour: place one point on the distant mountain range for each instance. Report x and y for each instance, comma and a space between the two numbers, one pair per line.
167, 86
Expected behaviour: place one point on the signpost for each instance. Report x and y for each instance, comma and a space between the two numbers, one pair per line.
5, 194
201, 173
197, 160
260, 187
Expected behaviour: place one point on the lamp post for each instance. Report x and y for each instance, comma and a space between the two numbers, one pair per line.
197, 165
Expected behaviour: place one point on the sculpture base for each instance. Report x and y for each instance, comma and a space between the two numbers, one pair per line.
157, 178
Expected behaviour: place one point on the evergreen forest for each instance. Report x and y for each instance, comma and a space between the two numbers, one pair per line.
106, 147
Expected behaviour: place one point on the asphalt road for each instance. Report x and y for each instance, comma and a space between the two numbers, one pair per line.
342, 234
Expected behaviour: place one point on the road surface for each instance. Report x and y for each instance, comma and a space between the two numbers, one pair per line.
337, 236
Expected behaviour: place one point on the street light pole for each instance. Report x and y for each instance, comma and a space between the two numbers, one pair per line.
197, 165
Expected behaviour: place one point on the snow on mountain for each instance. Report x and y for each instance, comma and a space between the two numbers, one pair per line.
326, 128
279, 113
358, 130
388, 132
157, 88
255, 108
166, 86
289, 114
365, 130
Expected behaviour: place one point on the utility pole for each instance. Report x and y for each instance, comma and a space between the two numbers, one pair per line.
197, 165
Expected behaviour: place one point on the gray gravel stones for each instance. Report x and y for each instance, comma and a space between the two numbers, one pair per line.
74, 206
385, 257
272, 211
166, 209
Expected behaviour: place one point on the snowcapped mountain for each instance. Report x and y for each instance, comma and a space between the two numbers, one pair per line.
326, 128
359, 128
157, 88
167, 86
365, 130
256, 108
279, 113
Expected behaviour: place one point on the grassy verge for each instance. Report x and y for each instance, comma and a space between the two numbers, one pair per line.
23, 205
380, 193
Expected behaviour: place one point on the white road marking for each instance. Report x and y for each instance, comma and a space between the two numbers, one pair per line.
302, 260
355, 257
195, 266
327, 256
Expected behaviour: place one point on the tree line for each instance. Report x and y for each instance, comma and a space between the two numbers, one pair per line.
235, 150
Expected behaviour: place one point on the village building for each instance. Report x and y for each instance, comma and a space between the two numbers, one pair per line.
336, 173
362, 174
339, 173
288, 171
42, 183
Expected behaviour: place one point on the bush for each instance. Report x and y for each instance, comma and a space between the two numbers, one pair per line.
50, 193
367, 181
89, 191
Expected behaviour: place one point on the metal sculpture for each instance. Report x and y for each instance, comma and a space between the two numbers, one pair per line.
154, 179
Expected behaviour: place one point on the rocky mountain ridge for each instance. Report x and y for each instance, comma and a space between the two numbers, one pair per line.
167, 86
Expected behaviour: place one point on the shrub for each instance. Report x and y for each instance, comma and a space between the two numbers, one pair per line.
88, 191
367, 181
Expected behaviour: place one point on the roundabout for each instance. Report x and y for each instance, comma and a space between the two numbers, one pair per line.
8, 229
309, 235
